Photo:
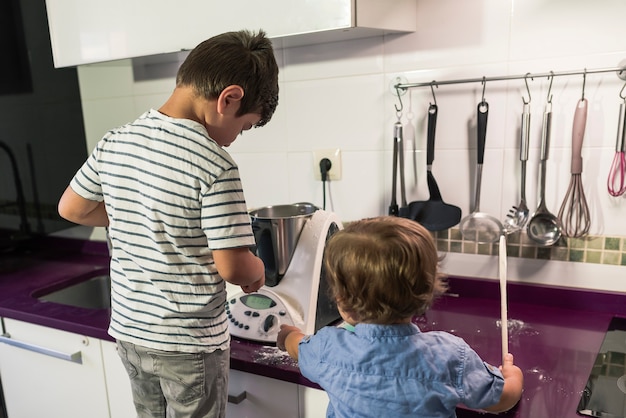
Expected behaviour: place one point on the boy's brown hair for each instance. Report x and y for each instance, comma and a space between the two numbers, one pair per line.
383, 270
240, 58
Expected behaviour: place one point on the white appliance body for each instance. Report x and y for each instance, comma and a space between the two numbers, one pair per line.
294, 300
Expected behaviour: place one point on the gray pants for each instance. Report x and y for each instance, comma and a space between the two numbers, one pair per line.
176, 385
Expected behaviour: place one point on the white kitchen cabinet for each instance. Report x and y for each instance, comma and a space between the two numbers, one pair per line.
87, 31
313, 402
264, 397
117, 383
51, 373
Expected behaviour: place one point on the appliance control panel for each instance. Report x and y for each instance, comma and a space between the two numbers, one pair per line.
257, 316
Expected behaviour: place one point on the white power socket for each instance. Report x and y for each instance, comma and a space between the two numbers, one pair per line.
334, 155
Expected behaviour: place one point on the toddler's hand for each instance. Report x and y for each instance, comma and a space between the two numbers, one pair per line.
508, 368
282, 335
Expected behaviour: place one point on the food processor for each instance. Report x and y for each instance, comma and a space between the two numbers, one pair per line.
290, 240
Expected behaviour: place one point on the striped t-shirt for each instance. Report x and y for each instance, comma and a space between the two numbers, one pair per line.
172, 195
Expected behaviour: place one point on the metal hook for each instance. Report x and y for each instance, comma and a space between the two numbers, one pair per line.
484, 83
527, 89
551, 77
621, 92
433, 91
584, 81
400, 100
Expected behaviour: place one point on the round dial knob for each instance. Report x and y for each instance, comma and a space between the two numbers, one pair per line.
269, 323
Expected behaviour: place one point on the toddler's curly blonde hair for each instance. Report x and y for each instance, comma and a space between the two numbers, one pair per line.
383, 270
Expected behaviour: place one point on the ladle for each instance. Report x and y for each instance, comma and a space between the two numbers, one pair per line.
544, 228
478, 226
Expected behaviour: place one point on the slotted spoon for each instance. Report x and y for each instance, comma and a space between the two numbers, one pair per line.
518, 215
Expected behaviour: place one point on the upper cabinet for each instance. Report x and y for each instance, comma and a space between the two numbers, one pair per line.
88, 31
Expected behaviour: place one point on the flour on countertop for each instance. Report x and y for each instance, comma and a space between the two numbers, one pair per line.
517, 327
274, 356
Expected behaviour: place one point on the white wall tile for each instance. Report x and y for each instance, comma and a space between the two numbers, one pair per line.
265, 178
341, 112
452, 33
106, 80
561, 28
340, 95
334, 59
105, 114
147, 101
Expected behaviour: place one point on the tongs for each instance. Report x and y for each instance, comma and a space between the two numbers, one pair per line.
398, 163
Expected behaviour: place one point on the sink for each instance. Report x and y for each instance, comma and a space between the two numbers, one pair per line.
91, 291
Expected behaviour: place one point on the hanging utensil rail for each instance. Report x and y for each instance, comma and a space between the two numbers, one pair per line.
401, 88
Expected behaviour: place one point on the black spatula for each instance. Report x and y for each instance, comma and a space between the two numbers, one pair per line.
434, 214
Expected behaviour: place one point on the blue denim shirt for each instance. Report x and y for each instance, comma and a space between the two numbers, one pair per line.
397, 371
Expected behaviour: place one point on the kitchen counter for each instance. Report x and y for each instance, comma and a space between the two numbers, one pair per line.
50, 263
554, 333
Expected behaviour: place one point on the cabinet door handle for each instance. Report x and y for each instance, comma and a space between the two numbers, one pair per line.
74, 357
237, 399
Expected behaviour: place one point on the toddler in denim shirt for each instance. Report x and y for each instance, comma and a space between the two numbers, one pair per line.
382, 272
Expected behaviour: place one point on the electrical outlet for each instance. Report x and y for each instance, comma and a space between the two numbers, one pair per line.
334, 155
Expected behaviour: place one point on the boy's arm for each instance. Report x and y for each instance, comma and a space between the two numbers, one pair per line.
289, 338
79, 210
513, 385
239, 266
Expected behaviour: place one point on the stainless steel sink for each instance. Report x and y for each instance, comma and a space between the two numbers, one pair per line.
93, 292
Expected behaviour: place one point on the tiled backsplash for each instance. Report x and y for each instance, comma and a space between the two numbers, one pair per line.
591, 249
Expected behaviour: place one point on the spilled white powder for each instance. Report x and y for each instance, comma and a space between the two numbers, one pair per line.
273, 356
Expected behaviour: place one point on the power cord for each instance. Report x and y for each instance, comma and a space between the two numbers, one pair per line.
325, 165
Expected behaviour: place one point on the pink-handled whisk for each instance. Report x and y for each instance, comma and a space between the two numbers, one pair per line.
616, 183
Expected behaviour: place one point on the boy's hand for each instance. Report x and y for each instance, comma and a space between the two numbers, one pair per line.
253, 287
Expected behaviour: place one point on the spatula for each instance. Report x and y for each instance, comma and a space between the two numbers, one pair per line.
434, 214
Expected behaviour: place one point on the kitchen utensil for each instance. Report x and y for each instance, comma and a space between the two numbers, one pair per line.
504, 321
301, 298
434, 214
479, 226
615, 183
276, 232
398, 156
518, 215
544, 228
574, 212
403, 210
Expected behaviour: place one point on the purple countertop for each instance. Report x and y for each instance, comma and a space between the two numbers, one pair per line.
554, 333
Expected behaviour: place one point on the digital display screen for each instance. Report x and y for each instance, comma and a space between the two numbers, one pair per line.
258, 301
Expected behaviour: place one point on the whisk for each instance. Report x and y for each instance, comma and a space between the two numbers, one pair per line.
574, 212
615, 182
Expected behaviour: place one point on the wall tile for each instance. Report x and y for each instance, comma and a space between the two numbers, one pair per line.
566, 27
452, 33
102, 115
340, 112
340, 95
265, 178
106, 80
334, 59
